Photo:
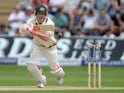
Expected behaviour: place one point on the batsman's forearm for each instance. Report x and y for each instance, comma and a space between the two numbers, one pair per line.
44, 36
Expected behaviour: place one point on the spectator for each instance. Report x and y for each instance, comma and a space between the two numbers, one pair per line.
103, 22
109, 34
65, 32
69, 9
24, 3
70, 5
3, 29
89, 22
28, 13
77, 18
78, 31
81, 10
60, 19
112, 8
84, 6
38, 2
56, 4
117, 22
87, 4
115, 11
100, 4
16, 18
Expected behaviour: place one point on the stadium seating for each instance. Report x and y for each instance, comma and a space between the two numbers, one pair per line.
6, 7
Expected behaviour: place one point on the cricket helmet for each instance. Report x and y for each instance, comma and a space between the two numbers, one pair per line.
42, 9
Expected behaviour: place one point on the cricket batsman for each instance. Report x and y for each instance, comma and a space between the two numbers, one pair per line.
42, 28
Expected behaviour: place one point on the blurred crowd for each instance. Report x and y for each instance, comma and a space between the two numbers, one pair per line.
79, 18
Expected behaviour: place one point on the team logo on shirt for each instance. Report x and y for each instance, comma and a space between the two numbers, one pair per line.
36, 28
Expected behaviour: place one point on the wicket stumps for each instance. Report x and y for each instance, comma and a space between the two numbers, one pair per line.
94, 64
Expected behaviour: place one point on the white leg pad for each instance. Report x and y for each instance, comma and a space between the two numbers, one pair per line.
58, 73
35, 71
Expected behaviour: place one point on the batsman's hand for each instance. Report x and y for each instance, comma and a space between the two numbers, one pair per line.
26, 28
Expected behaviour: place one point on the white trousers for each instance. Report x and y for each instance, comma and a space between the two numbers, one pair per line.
49, 53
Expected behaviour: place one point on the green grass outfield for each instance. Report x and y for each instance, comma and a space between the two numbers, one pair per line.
76, 76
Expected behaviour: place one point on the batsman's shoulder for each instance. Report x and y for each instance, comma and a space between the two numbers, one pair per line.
50, 22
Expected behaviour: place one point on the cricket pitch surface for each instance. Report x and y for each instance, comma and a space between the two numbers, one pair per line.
28, 88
